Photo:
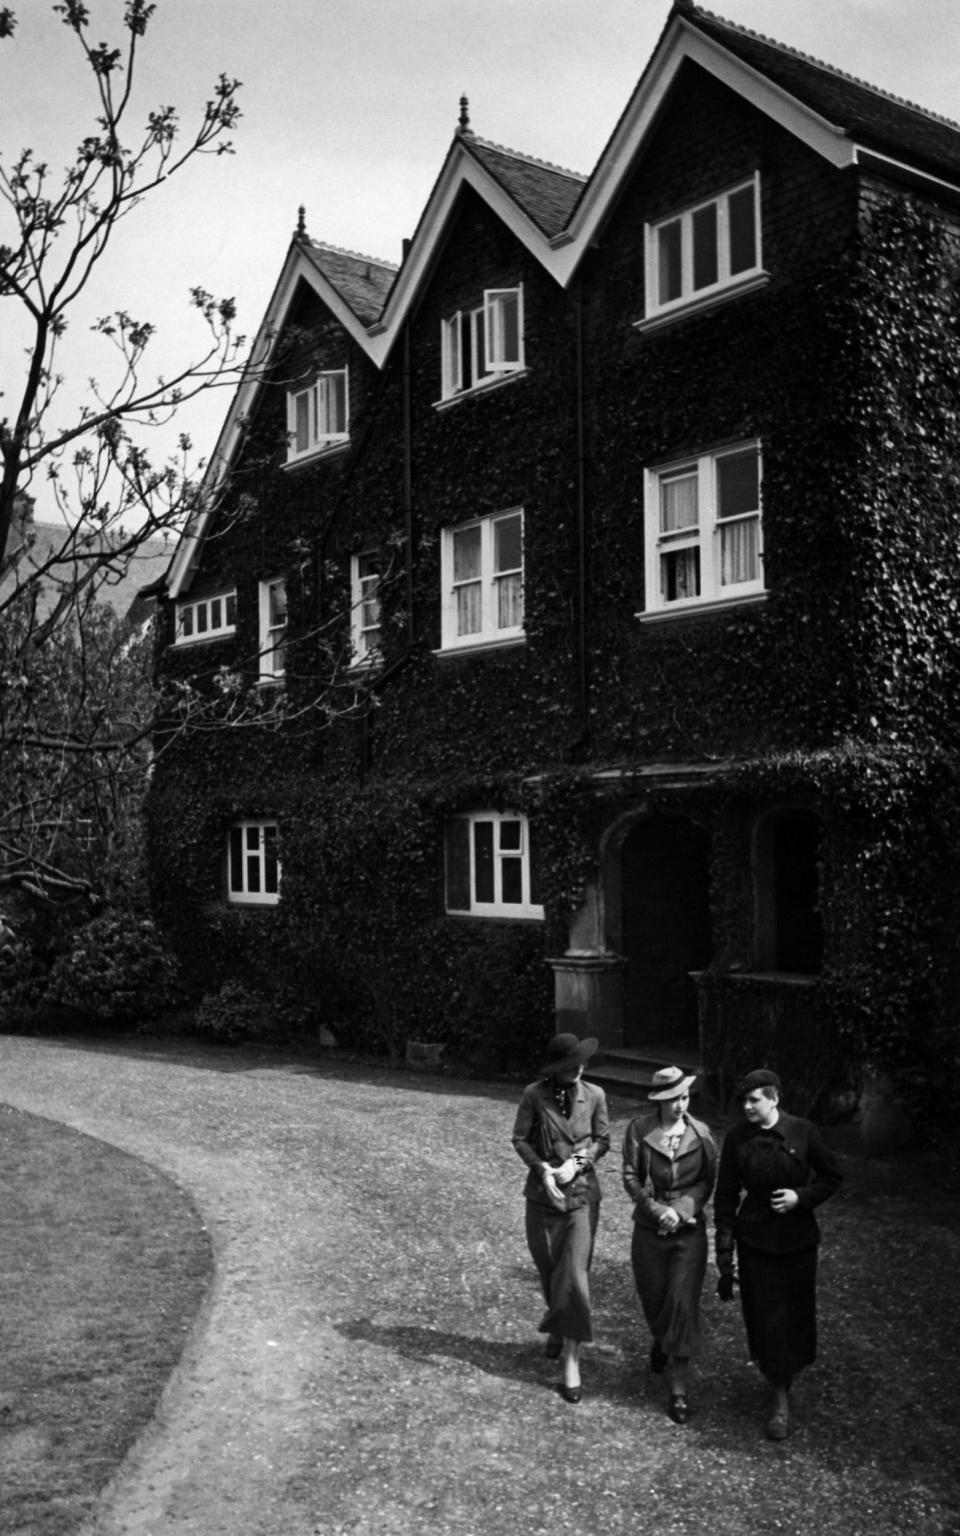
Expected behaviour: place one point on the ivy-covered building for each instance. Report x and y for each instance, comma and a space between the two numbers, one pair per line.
580, 599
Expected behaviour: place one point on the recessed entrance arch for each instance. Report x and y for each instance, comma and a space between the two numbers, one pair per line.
665, 929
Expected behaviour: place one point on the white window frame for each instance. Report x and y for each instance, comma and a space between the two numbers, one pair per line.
365, 612
273, 630
488, 581
487, 332
324, 427
254, 861
705, 535
685, 218
212, 617
510, 841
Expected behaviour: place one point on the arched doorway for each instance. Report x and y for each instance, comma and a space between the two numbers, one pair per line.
665, 929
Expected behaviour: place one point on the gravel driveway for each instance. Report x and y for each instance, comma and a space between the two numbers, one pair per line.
367, 1361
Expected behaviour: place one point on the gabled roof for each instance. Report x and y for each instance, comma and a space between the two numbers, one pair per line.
556, 214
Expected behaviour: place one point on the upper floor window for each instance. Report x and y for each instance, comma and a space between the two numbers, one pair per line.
482, 578
704, 249
365, 607
273, 629
703, 531
253, 863
319, 415
206, 618
489, 865
482, 344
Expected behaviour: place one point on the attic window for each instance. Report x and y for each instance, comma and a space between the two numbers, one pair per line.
318, 417
481, 345
704, 250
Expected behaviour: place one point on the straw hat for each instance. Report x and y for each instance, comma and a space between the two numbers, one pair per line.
670, 1083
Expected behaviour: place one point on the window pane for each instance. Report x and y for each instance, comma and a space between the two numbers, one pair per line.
510, 836
466, 554
536, 895
738, 483
680, 574
503, 322
743, 241
302, 410
253, 873
216, 614
271, 880
738, 551
236, 859
668, 255
509, 602
678, 503
231, 605
466, 351
508, 543
483, 861
186, 621
468, 609
511, 875
458, 864
705, 269
201, 618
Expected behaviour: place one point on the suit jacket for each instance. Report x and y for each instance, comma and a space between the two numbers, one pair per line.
542, 1134
753, 1163
654, 1181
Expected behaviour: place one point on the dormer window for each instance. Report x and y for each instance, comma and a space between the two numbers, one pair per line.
483, 344
704, 250
318, 416
206, 618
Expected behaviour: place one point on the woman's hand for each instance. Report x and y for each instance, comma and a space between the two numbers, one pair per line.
567, 1171
668, 1223
784, 1200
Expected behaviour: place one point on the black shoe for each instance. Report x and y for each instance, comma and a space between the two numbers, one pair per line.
679, 1409
658, 1360
569, 1394
553, 1346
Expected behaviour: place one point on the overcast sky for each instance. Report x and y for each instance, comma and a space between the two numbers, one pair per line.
349, 108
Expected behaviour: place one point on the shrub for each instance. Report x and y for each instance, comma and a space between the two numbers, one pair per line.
233, 1014
116, 970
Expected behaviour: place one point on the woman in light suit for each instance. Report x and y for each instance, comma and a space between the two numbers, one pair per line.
669, 1168
560, 1132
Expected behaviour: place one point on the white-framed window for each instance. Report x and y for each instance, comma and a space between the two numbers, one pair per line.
318, 416
481, 566
206, 618
365, 607
489, 865
482, 344
273, 629
253, 863
704, 249
703, 529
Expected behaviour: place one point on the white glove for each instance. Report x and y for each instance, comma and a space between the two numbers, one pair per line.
567, 1171
553, 1193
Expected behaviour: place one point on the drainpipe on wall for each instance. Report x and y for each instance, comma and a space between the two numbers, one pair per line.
577, 749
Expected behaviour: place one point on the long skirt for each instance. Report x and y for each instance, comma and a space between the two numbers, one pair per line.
669, 1274
778, 1292
561, 1246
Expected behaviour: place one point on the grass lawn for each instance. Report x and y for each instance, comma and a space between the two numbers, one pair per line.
103, 1264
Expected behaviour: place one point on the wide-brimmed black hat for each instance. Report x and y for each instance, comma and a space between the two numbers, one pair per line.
670, 1083
565, 1053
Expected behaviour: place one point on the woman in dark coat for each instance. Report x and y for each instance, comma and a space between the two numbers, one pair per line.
669, 1167
560, 1132
774, 1170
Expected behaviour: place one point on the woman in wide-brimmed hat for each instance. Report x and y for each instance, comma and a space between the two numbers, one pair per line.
775, 1169
561, 1130
669, 1167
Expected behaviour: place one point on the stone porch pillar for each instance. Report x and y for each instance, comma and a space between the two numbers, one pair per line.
588, 995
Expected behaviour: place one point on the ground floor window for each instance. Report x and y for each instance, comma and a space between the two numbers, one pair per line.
253, 864
490, 866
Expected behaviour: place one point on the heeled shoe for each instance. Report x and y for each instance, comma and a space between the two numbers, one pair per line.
569, 1394
658, 1360
553, 1346
777, 1426
679, 1409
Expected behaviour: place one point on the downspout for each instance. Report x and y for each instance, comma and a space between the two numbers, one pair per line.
407, 482
579, 747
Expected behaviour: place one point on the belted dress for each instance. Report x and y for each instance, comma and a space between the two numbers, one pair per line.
561, 1242
661, 1172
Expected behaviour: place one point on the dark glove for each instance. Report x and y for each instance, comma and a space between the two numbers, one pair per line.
725, 1287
